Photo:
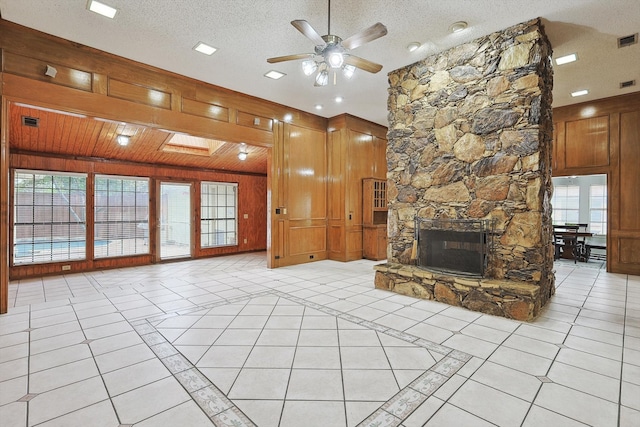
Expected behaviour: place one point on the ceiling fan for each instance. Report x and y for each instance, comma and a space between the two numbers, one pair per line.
331, 52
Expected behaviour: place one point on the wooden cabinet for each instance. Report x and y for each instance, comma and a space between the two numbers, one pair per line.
374, 218
356, 150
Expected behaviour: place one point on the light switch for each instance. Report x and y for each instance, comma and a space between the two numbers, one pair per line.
246, 216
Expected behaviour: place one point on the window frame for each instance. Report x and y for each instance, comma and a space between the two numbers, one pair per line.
53, 252
140, 225
559, 215
602, 225
206, 220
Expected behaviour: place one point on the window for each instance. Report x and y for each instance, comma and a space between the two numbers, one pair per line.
218, 211
566, 204
121, 225
598, 209
49, 223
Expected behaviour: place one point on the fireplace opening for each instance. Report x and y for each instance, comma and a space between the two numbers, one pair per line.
456, 246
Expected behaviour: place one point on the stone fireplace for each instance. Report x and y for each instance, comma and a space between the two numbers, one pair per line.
470, 135
456, 246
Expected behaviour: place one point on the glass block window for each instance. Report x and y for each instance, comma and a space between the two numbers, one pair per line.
219, 214
566, 204
49, 222
121, 216
598, 209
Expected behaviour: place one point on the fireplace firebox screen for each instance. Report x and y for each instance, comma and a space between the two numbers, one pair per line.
456, 246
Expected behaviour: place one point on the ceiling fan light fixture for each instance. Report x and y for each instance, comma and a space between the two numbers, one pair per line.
322, 78
348, 71
309, 67
335, 59
332, 52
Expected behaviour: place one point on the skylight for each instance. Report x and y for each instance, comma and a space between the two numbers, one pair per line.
186, 144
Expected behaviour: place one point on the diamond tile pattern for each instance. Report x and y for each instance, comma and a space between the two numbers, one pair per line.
227, 342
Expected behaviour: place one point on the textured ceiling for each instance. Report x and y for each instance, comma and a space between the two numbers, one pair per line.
247, 32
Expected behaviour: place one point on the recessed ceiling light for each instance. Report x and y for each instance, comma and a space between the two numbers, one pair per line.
204, 48
456, 27
102, 9
275, 75
579, 93
566, 59
338, 99
123, 140
413, 46
318, 107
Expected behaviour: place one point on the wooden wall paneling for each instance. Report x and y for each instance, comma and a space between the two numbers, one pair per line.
275, 196
587, 141
357, 150
554, 151
139, 93
630, 171
306, 194
236, 101
58, 97
4, 202
380, 154
361, 165
252, 120
626, 237
204, 109
336, 180
613, 194
35, 69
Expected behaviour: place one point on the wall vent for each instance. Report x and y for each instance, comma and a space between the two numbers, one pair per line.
628, 83
628, 40
33, 122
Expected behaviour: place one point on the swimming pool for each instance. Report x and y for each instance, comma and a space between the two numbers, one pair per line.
28, 249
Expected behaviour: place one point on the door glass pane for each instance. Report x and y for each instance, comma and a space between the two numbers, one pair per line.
175, 220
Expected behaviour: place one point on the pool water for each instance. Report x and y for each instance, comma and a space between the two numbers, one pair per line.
26, 249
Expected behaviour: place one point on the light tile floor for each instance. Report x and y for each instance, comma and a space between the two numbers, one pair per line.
227, 342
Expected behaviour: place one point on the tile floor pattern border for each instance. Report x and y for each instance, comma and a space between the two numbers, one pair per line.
223, 413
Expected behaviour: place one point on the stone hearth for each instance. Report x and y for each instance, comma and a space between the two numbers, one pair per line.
470, 134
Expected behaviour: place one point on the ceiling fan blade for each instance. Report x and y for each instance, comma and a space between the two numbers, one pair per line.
363, 64
365, 36
289, 57
305, 28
